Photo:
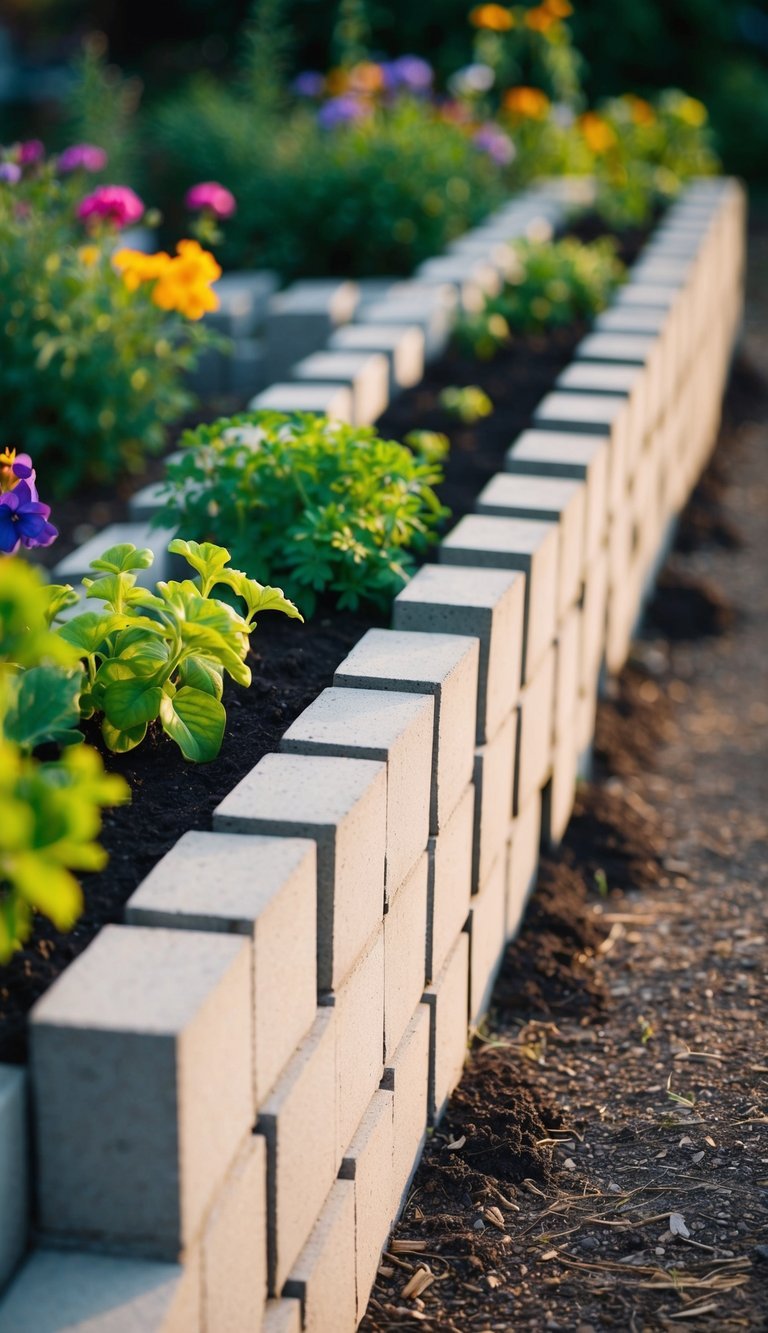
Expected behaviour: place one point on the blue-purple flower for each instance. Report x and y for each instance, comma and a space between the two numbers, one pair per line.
493, 141
343, 110
24, 520
10, 173
408, 74
310, 83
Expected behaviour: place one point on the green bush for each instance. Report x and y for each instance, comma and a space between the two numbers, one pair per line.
312, 504
554, 284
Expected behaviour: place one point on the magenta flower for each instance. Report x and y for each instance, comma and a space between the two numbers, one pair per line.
111, 203
82, 157
10, 173
24, 520
31, 152
211, 197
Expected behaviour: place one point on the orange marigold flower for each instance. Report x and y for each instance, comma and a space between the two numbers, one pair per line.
527, 103
540, 19
493, 17
137, 267
642, 112
600, 136
182, 281
560, 8
367, 77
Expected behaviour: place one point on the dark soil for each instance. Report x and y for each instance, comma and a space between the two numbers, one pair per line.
686, 606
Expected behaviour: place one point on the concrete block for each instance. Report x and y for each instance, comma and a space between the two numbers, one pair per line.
298, 1121
168, 1010
433, 316
234, 1246
260, 887
473, 279
368, 1161
359, 1008
560, 794
402, 344
629, 349
443, 665
663, 270
567, 670
245, 370
282, 1316
341, 804
487, 604
407, 1076
523, 862
485, 245
60, 1291
365, 374
405, 943
326, 400
301, 319
395, 727
448, 999
632, 319
324, 1278
593, 624
450, 883
573, 456
534, 753
628, 382
515, 543
643, 294
14, 1169
586, 713
487, 939
494, 781
244, 298
593, 414
557, 500
77, 565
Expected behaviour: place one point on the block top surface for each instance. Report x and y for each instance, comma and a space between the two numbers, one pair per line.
459, 585
140, 534
631, 347
369, 337
229, 878
646, 293
547, 496
336, 364
292, 397
305, 790
523, 536
541, 446
409, 655
631, 319
60, 1291
597, 410
140, 979
610, 379
370, 719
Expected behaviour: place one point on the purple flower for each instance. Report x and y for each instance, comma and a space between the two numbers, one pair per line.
493, 141
212, 197
342, 110
24, 520
10, 173
409, 73
309, 84
112, 203
15, 468
31, 152
82, 157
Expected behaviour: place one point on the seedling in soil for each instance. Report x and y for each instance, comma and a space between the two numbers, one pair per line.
469, 404
646, 1030
680, 1097
601, 883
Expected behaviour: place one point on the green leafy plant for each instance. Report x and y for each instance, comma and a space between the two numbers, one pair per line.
162, 656
51, 809
553, 284
329, 508
469, 404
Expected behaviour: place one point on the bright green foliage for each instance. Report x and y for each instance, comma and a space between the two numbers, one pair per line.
163, 655
430, 445
50, 811
90, 372
554, 284
323, 507
469, 404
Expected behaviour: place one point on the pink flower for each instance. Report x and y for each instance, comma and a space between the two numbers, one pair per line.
211, 196
82, 157
112, 203
31, 152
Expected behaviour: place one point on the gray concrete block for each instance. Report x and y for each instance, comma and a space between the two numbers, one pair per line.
551, 500
405, 943
323, 1278
434, 317
515, 543
663, 271
645, 294
77, 565
365, 374
632, 349
448, 999
368, 1161
594, 611
574, 456
534, 753
443, 665
487, 939
14, 1164
495, 765
487, 604
567, 670
166, 1009
244, 298
407, 1075
473, 279
594, 414
359, 1010
560, 795
60, 1291
523, 861
450, 883
394, 727
341, 805
245, 371
234, 1246
298, 1121
301, 319
326, 400
282, 1316
402, 344
260, 887
632, 319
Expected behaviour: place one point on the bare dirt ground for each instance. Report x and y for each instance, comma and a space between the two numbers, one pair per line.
604, 1162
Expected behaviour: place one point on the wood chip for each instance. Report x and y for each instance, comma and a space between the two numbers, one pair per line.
422, 1278
455, 1144
495, 1216
408, 1246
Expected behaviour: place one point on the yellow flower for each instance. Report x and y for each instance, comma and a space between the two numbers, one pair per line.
89, 255
540, 19
527, 103
600, 136
137, 267
493, 17
182, 281
692, 112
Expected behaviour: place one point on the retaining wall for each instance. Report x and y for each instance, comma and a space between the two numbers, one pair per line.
231, 1091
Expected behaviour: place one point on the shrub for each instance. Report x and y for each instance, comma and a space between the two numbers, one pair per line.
319, 506
554, 284
91, 367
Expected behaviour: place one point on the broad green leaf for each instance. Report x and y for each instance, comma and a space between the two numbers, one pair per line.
121, 741
259, 596
123, 558
88, 631
48, 888
195, 721
59, 596
45, 707
207, 559
201, 675
132, 703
